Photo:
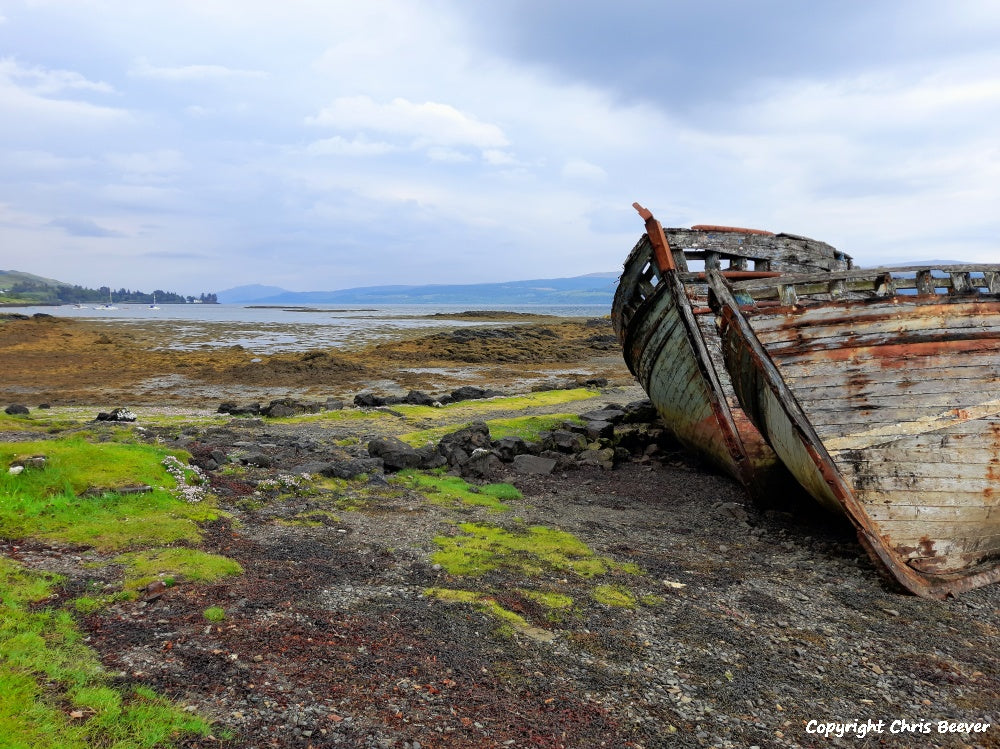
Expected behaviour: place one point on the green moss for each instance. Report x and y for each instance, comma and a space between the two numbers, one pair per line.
441, 488
214, 614
193, 565
531, 551
615, 595
46, 667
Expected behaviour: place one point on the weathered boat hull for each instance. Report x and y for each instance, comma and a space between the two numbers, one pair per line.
670, 341
886, 409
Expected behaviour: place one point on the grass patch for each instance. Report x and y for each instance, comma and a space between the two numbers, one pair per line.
56, 694
615, 595
443, 489
532, 551
91, 604
44, 503
192, 565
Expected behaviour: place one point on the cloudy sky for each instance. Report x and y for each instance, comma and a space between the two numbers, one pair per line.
312, 144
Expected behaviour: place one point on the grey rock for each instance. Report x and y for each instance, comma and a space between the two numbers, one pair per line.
333, 404
533, 464
566, 441
482, 464
16, 409
351, 468
257, 459
612, 415
600, 430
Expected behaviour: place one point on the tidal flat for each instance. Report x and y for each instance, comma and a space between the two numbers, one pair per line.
280, 588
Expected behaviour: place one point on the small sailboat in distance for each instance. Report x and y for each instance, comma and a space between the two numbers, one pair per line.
110, 305
153, 305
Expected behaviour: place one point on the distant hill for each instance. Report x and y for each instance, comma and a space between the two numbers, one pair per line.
252, 293
595, 288
8, 278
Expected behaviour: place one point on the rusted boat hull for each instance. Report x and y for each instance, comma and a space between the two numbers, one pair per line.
670, 341
885, 408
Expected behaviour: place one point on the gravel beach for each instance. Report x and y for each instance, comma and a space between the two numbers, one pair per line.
686, 616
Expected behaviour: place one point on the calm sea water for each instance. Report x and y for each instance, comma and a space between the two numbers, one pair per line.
293, 328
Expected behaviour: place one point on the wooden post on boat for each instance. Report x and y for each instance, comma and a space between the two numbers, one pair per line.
661, 249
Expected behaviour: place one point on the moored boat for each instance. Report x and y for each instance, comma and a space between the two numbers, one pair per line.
671, 345
880, 391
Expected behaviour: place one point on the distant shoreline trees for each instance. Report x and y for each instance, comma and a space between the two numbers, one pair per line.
32, 292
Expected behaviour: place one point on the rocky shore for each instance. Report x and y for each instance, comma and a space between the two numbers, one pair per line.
484, 538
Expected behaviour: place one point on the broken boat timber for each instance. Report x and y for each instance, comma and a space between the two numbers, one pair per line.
671, 344
880, 391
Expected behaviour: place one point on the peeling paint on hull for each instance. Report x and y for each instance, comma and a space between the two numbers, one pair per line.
672, 346
885, 408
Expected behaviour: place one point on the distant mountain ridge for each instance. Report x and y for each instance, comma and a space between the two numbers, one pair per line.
594, 288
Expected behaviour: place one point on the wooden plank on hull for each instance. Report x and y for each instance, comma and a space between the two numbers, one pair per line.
833, 475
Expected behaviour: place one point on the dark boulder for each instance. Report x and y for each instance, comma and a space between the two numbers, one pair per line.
233, 409
16, 409
417, 398
395, 454
368, 400
284, 407
509, 448
566, 441
640, 412
459, 445
481, 464
467, 393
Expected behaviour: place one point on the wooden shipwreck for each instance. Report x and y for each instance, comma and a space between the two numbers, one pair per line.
880, 391
670, 340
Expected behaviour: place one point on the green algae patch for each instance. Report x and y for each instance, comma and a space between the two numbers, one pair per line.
552, 601
192, 565
532, 551
441, 488
55, 693
508, 621
477, 408
340, 415
82, 494
615, 595
527, 428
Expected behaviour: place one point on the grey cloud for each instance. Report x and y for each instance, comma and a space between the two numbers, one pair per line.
83, 227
